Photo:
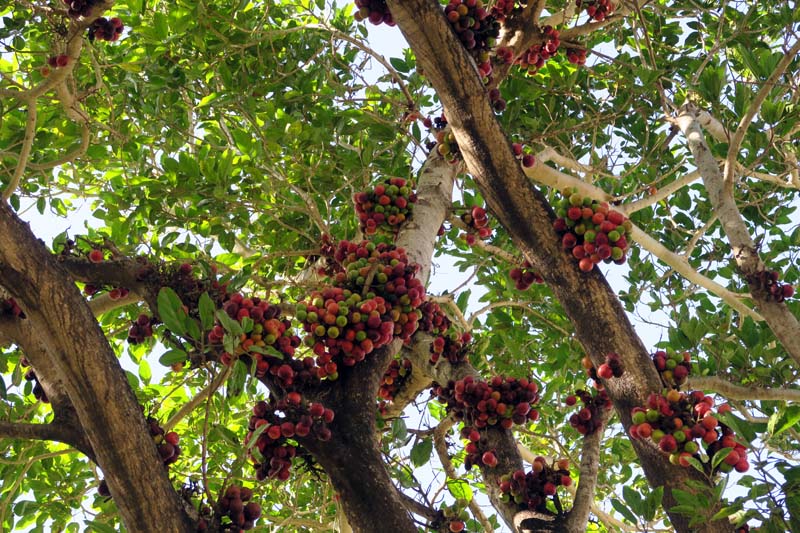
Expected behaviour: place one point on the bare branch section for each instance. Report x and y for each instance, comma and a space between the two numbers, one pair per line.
52, 431
732, 391
745, 252
598, 317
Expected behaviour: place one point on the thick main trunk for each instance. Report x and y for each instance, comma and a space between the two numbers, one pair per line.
81, 358
596, 313
352, 458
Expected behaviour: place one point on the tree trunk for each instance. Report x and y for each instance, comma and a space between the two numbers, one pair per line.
81, 358
596, 313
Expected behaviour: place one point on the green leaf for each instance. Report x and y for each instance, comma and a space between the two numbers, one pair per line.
170, 310
98, 527
231, 326
460, 489
633, 499
266, 350
237, 379
207, 310
720, 456
3, 391
399, 430
144, 371
653, 503
421, 451
171, 357
788, 418
624, 511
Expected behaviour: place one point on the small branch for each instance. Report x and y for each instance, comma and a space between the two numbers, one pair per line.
104, 303
440, 445
67, 158
198, 398
661, 194
24, 153
52, 432
738, 136
590, 464
733, 391
512, 303
418, 508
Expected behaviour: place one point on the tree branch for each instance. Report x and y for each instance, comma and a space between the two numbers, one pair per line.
733, 391
24, 153
745, 252
755, 104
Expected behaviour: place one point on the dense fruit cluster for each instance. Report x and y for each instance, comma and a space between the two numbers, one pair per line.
140, 329
394, 377
167, 443
454, 517
80, 8
576, 56
477, 450
680, 423
673, 366
448, 342
523, 277
531, 490
501, 401
270, 341
501, 9
105, 29
476, 29
235, 504
597, 10
591, 230
533, 59
375, 297
589, 418
10, 307
767, 281
528, 160
477, 221
30, 375
385, 207
273, 423
376, 11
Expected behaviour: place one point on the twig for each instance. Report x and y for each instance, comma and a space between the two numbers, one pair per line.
738, 136
25, 151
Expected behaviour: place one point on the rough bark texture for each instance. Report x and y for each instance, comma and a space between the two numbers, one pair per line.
599, 319
352, 458
79, 355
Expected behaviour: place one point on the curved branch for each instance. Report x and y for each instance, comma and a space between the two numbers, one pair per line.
745, 252
440, 445
24, 153
553, 178
752, 109
739, 392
